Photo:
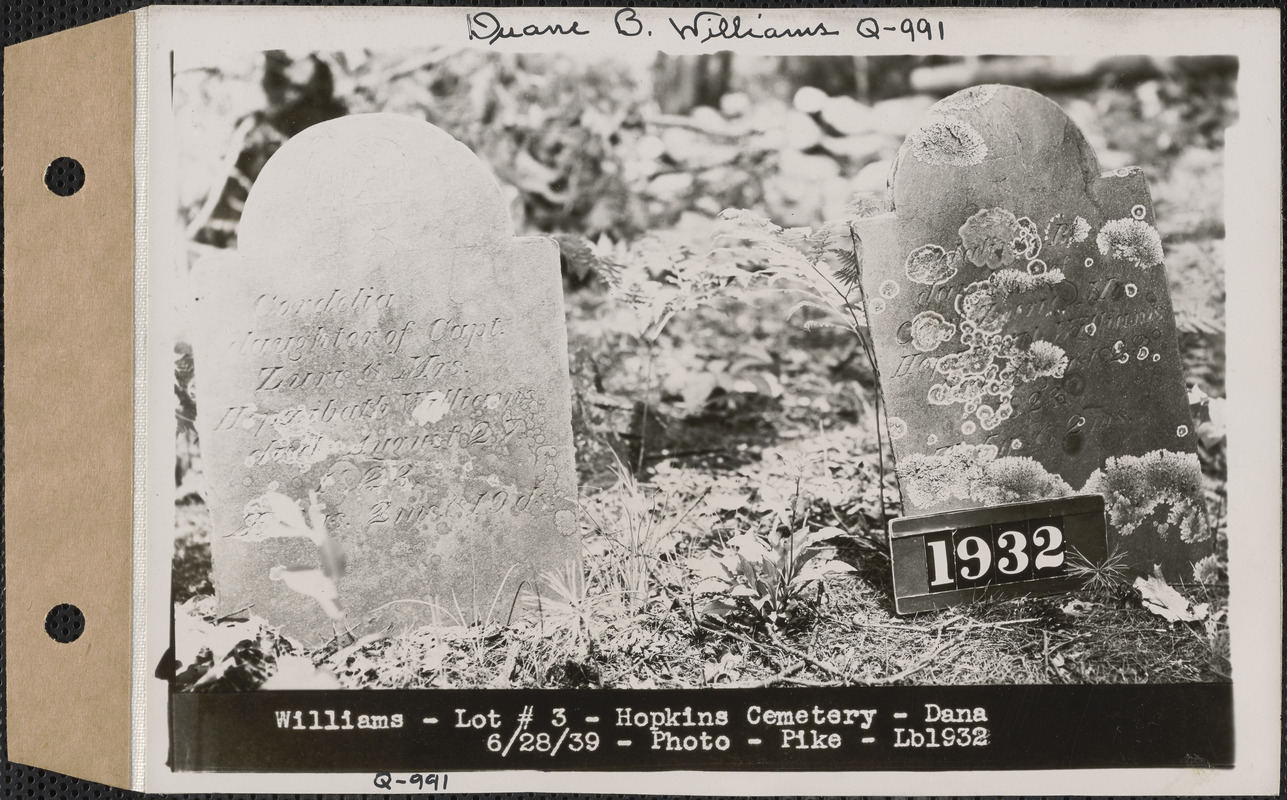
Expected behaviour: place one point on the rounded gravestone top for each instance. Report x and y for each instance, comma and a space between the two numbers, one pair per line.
995, 140
372, 178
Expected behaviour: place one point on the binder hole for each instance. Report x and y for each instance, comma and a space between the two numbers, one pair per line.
64, 623
64, 176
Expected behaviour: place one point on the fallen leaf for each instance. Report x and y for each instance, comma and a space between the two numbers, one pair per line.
1163, 600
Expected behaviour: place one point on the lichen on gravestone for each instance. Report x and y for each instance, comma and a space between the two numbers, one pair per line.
385, 404
1023, 330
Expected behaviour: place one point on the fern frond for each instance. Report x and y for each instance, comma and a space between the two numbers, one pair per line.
849, 270
865, 204
579, 260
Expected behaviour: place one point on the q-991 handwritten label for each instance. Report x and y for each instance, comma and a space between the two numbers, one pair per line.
1003, 551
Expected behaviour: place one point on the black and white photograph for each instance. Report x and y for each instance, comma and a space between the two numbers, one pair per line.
710, 508
753, 378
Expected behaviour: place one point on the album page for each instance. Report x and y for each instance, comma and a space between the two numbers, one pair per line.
711, 402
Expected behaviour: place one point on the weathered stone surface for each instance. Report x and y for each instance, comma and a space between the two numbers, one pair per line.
1023, 329
384, 397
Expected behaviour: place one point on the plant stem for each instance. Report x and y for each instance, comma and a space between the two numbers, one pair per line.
233, 615
825, 666
643, 421
769, 681
880, 459
875, 369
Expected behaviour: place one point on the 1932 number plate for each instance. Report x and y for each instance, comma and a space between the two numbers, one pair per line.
1002, 551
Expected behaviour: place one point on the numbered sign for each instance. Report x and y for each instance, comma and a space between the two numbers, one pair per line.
940, 560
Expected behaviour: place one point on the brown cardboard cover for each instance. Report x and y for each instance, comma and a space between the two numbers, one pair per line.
68, 401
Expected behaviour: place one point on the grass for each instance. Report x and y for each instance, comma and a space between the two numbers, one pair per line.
852, 641
631, 617
748, 464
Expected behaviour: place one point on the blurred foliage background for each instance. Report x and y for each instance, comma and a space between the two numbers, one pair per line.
622, 147
635, 159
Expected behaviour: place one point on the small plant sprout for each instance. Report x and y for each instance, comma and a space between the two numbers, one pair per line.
573, 614
1105, 578
639, 531
767, 582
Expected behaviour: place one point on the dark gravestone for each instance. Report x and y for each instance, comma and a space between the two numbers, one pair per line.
1023, 329
384, 396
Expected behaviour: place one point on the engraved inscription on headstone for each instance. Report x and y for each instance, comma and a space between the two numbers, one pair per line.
384, 409
1023, 328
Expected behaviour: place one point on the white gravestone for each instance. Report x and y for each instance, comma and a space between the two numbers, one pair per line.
384, 402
